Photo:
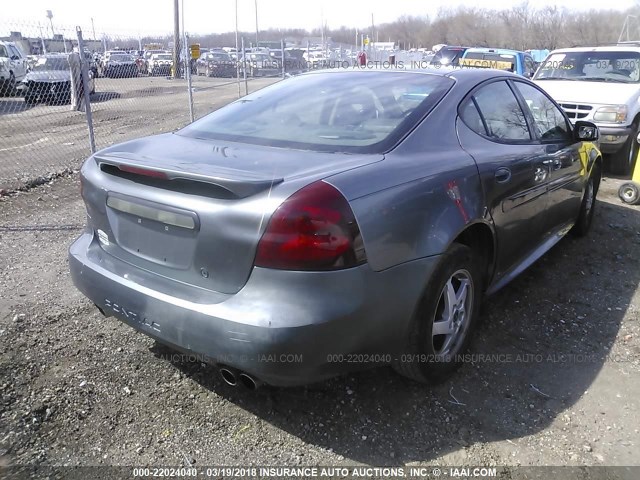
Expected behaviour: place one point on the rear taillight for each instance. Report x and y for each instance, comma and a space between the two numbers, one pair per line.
314, 229
145, 172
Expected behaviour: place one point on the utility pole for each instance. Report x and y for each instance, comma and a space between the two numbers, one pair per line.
256, 4
372, 31
93, 27
241, 55
176, 39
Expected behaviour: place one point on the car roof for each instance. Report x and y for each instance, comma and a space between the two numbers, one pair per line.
499, 51
456, 73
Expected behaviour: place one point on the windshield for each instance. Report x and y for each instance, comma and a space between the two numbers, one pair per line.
360, 112
620, 67
447, 56
60, 63
121, 58
220, 57
3, 51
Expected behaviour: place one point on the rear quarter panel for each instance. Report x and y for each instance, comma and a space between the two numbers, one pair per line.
415, 202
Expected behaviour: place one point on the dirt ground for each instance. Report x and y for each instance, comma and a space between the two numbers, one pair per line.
554, 378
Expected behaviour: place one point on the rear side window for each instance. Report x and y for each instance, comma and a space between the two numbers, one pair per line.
503, 118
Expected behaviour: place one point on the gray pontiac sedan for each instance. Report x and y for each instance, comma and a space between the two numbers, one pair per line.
335, 220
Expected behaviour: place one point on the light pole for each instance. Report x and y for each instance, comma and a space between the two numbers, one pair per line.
93, 27
50, 17
44, 46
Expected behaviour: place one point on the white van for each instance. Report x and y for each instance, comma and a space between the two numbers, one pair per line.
13, 67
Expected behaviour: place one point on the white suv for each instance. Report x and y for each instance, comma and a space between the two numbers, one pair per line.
601, 85
13, 67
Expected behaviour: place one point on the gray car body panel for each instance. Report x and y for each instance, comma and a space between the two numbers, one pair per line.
410, 204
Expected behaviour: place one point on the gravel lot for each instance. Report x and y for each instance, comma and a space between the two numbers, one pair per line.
78, 389
42, 140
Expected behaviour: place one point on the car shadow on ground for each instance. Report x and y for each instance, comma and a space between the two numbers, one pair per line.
104, 96
11, 105
541, 343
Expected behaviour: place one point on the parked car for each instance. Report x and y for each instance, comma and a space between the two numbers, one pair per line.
160, 64
13, 67
334, 220
146, 56
120, 65
216, 64
515, 61
602, 85
447, 56
50, 81
260, 65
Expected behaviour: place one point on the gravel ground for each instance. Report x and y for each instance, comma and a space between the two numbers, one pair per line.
79, 389
42, 140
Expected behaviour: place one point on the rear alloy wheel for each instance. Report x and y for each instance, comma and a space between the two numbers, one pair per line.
623, 160
587, 207
444, 319
629, 193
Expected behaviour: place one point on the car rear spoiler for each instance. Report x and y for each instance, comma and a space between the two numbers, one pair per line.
240, 183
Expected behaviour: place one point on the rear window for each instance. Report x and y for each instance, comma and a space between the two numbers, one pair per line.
359, 112
489, 60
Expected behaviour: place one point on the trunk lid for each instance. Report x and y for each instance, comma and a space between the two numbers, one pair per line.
194, 210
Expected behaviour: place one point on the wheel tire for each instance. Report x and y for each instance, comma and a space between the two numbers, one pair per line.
432, 358
629, 193
623, 161
588, 205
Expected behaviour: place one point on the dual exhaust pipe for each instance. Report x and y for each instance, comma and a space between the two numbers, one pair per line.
233, 377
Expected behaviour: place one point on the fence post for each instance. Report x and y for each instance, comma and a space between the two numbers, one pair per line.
187, 66
76, 82
244, 71
282, 52
84, 76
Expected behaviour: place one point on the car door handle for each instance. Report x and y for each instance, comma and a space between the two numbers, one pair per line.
503, 175
555, 163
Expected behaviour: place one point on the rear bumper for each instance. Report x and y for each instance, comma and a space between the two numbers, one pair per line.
284, 328
613, 138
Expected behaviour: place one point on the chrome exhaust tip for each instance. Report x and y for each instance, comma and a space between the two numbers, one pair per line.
228, 376
249, 382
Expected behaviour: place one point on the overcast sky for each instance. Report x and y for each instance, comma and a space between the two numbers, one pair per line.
216, 16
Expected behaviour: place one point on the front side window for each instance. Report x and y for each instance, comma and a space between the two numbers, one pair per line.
550, 123
501, 112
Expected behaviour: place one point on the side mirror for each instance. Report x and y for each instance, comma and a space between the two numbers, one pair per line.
586, 131
15, 57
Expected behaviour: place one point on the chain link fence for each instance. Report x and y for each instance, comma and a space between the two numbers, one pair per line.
132, 91
50, 120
